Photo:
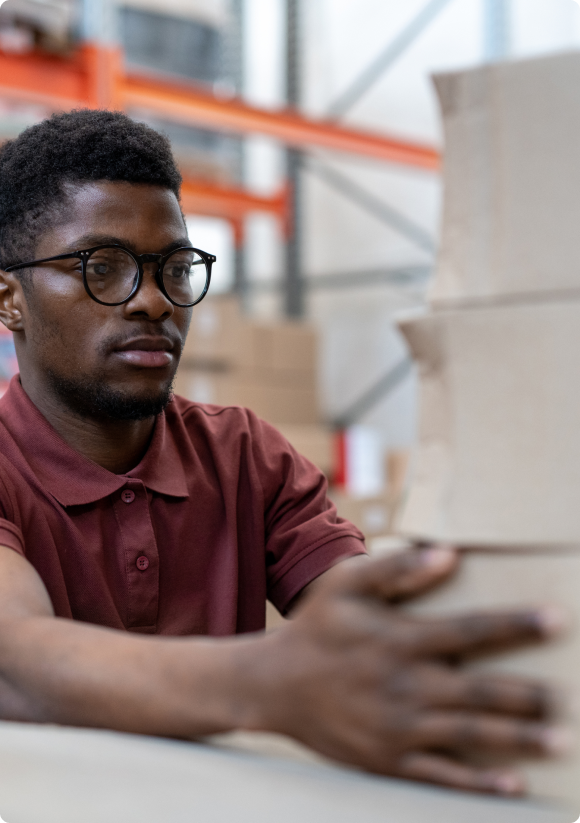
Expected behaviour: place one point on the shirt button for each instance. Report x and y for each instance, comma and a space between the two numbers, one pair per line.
127, 496
142, 563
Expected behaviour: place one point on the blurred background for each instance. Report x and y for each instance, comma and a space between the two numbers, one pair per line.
308, 136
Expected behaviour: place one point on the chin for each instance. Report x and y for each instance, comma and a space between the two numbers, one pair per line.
94, 398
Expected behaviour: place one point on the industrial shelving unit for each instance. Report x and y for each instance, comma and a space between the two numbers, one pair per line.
94, 75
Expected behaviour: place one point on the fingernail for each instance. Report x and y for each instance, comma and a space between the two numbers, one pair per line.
558, 740
507, 783
437, 557
551, 620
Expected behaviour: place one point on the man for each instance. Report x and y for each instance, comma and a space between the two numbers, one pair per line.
140, 533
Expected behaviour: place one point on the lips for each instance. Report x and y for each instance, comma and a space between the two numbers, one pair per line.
146, 343
146, 352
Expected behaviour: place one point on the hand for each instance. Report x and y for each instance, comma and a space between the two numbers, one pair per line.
367, 684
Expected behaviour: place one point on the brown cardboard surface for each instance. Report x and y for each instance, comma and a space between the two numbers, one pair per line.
506, 579
275, 402
270, 376
511, 179
314, 442
498, 460
216, 333
285, 346
220, 335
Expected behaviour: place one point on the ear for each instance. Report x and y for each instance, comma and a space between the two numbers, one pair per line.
11, 300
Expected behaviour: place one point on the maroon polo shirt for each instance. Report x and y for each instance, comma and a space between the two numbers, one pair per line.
220, 514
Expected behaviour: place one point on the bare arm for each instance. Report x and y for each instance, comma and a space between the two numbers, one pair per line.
348, 676
58, 670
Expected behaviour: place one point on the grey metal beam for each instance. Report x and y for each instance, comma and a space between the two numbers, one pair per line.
400, 276
294, 293
294, 296
234, 73
372, 204
386, 58
403, 276
381, 389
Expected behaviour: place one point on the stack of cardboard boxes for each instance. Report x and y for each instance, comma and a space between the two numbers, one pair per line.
498, 464
269, 368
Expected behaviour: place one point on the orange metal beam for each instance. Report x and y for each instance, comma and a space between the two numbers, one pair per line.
230, 203
94, 77
184, 104
40, 78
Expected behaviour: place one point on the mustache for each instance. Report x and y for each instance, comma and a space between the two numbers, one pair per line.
117, 341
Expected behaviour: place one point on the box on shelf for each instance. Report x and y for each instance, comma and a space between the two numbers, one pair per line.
314, 442
216, 332
219, 334
270, 368
511, 179
286, 346
275, 402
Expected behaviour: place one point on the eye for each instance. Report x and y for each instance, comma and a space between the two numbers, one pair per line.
177, 270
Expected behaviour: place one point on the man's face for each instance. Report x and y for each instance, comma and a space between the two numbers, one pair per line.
104, 361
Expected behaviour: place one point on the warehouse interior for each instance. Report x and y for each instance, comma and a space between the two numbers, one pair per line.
310, 138
338, 241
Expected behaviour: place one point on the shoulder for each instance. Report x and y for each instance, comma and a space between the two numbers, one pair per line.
210, 416
226, 424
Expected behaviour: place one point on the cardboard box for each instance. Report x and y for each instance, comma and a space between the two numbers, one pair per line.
497, 469
498, 460
504, 579
313, 442
288, 347
220, 337
216, 333
275, 402
511, 179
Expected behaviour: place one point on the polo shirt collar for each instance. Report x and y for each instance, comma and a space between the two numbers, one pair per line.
73, 479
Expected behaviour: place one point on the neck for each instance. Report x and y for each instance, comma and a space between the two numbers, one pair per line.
116, 445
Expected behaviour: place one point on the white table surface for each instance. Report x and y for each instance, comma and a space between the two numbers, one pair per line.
50, 774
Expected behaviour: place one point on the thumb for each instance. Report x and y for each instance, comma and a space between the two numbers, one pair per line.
397, 576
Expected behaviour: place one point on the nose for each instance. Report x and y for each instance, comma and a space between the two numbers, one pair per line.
149, 301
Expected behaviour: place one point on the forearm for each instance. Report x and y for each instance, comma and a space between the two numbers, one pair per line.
56, 670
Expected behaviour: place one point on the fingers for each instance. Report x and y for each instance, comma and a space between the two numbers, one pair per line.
486, 733
398, 576
431, 768
481, 632
505, 696
435, 686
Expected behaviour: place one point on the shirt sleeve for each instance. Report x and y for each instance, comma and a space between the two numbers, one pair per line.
304, 534
10, 535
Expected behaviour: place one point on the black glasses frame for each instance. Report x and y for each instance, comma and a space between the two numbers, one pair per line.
140, 259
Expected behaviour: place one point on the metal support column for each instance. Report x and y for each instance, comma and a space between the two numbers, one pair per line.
236, 77
294, 280
99, 22
100, 33
497, 29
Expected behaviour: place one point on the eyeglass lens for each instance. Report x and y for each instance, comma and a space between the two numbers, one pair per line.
112, 275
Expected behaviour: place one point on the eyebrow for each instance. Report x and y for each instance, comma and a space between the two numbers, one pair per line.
89, 240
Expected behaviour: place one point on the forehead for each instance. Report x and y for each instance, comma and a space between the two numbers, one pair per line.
146, 217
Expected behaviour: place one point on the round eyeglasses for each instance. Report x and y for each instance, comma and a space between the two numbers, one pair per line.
112, 274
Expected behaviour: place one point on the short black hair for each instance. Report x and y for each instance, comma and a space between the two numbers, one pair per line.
76, 147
